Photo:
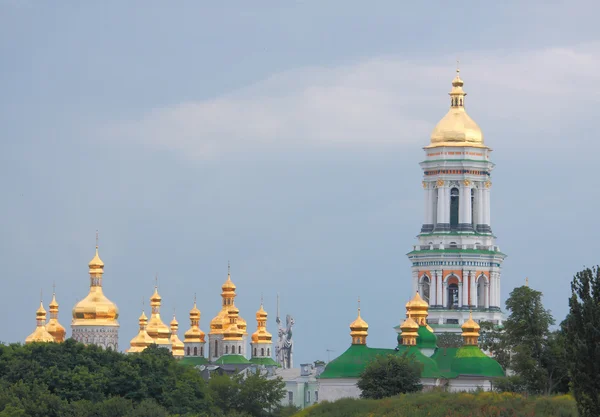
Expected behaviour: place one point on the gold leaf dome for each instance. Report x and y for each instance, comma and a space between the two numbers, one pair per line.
456, 128
261, 335
40, 334
220, 323
470, 331
142, 340
177, 347
96, 309
54, 327
194, 334
359, 330
158, 331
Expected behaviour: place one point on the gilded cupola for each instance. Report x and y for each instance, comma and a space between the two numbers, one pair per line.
410, 330
418, 309
233, 331
194, 334
359, 329
158, 331
54, 327
95, 309
220, 323
142, 340
177, 347
470, 331
40, 334
261, 335
456, 128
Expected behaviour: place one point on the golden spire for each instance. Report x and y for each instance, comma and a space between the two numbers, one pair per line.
54, 327
456, 128
410, 330
470, 331
194, 334
40, 334
359, 329
158, 330
419, 310
142, 340
95, 309
220, 323
177, 345
261, 335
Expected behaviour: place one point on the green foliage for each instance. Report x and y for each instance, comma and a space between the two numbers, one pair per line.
526, 345
480, 404
582, 328
449, 340
390, 375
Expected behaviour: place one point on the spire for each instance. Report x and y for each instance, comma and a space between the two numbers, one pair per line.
527, 282
470, 331
54, 327
359, 329
96, 268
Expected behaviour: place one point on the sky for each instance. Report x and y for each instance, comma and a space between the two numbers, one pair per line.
284, 138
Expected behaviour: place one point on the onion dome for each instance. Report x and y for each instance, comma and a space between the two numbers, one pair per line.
359, 330
418, 309
233, 332
142, 340
40, 334
54, 327
470, 331
456, 128
194, 334
410, 332
221, 321
177, 347
95, 309
158, 330
261, 335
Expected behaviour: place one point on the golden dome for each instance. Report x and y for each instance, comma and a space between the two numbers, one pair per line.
417, 303
220, 323
419, 310
261, 335
177, 348
142, 340
95, 309
194, 334
40, 334
359, 330
233, 332
456, 128
470, 331
410, 330
156, 329
54, 327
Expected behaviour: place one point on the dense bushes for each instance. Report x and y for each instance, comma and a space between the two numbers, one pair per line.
439, 404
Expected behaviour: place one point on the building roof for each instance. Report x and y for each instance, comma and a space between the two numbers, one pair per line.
429, 368
231, 359
264, 361
426, 339
193, 360
470, 360
352, 362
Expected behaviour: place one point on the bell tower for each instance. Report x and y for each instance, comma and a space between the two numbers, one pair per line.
456, 263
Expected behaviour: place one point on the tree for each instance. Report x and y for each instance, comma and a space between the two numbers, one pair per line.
582, 329
526, 345
390, 375
449, 340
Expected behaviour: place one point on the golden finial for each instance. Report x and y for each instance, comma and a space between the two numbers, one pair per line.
457, 66
359, 306
228, 267
527, 282
156, 281
261, 299
96, 239
194, 299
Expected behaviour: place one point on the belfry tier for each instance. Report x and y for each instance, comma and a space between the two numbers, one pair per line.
227, 325
456, 263
95, 317
156, 329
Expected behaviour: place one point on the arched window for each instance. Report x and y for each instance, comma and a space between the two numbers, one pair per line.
195, 351
268, 351
473, 207
425, 288
453, 245
202, 351
226, 349
481, 291
454, 208
216, 353
452, 300
240, 350
262, 351
254, 351
188, 351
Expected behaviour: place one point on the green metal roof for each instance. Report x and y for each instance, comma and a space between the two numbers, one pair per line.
264, 361
470, 360
352, 362
193, 360
231, 360
444, 358
429, 366
426, 339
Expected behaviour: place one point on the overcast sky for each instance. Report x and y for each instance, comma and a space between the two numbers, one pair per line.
284, 137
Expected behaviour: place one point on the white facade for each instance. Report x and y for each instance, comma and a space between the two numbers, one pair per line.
103, 336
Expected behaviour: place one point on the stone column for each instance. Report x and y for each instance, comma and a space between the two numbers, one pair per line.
465, 288
443, 208
473, 301
486, 295
428, 209
498, 298
445, 294
415, 283
480, 207
432, 290
440, 295
460, 294
465, 221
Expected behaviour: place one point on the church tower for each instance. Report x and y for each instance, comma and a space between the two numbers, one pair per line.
262, 341
456, 263
95, 317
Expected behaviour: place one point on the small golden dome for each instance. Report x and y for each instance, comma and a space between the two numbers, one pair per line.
194, 334
456, 128
228, 286
221, 321
177, 347
142, 340
95, 309
261, 335
409, 325
417, 303
470, 331
158, 331
359, 330
40, 334
54, 327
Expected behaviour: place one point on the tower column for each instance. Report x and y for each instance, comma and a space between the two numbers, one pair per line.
486, 210
415, 279
460, 294
428, 209
433, 290
473, 301
465, 288
480, 207
486, 295
440, 295
465, 221
443, 208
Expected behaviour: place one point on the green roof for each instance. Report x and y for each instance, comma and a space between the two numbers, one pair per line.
444, 358
429, 366
264, 361
456, 250
426, 338
193, 360
352, 362
231, 360
470, 360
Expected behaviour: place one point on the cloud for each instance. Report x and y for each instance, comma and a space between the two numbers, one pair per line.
381, 102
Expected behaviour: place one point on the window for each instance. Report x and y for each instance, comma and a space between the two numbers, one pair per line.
254, 351
308, 397
226, 349
425, 284
202, 351
316, 396
188, 351
481, 291
452, 296
290, 397
240, 350
215, 354
268, 351
195, 351
262, 351
454, 208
